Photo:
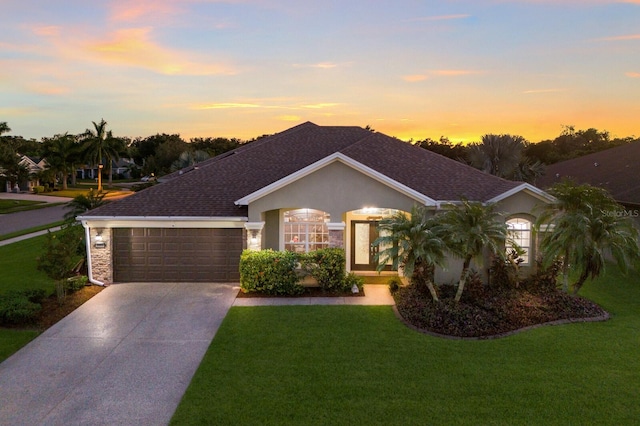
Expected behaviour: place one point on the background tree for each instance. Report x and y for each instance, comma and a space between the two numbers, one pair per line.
586, 226
189, 158
469, 229
62, 154
414, 244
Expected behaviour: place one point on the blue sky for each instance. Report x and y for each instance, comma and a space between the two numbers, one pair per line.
408, 68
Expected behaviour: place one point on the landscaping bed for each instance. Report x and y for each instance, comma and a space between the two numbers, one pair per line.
308, 292
52, 311
487, 311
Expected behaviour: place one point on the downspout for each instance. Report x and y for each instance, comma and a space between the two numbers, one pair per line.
88, 242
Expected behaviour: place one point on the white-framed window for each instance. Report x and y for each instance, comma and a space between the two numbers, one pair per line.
520, 233
305, 230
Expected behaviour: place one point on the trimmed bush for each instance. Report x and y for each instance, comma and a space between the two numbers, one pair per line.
38, 189
327, 266
269, 272
19, 308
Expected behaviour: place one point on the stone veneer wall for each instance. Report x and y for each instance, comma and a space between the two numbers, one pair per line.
101, 259
336, 238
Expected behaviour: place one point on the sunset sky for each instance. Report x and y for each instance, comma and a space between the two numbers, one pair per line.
243, 68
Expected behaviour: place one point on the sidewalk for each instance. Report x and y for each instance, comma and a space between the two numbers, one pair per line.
375, 294
27, 236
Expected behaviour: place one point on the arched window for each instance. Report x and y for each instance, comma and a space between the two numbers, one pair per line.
305, 230
520, 234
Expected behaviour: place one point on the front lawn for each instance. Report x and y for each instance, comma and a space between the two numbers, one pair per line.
361, 365
19, 266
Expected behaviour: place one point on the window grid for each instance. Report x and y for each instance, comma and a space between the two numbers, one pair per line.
520, 234
305, 230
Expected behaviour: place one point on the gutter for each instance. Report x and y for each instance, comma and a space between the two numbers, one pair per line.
89, 269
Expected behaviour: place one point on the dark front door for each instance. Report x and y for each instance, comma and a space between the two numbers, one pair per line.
363, 252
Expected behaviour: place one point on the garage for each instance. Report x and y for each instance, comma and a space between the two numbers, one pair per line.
176, 254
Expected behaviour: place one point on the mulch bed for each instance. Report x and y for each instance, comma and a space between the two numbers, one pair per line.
491, 312
309, 292
52, 311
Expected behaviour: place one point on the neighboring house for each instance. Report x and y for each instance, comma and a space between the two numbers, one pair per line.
615, 169
121, 167
34, 165
306, 188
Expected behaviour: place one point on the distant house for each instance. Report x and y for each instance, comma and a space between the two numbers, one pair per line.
34, 166
617, 170
121, 167
306, 188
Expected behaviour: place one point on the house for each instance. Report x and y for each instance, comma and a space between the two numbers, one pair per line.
305, 188
614, 169
121, 167
33, 166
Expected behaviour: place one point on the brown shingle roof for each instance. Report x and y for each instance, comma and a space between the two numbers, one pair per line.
615, 170
212, 188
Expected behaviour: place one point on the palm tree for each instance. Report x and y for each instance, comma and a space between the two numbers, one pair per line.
585, 225
414, 244
101, 146
62, 153
83, 203
469, 229
498, 155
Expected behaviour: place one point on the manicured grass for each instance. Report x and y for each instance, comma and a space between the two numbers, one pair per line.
19, 266
30, 230
360, 365
14, 206
12, 340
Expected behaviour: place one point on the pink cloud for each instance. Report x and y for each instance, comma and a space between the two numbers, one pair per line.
623, 37
414, 78
633, 74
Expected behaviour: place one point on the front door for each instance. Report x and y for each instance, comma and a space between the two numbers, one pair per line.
363, 252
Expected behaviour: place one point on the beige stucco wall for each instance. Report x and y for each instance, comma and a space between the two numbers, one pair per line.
336, 188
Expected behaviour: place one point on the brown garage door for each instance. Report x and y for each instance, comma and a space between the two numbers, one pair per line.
176, 254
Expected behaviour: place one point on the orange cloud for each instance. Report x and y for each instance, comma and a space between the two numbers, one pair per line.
131, 10
623, 37
133, 47
42, 88
633, 74
536, 91
46, 30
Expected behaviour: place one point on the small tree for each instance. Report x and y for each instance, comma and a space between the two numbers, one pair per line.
60, 256
413, 244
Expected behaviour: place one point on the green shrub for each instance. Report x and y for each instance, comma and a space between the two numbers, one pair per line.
269, 272
38, 189
77, 282
17, 308
327, 266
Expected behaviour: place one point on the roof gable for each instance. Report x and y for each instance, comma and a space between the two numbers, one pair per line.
336, 157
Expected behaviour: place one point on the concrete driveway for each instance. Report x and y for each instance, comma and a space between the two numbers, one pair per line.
124, 357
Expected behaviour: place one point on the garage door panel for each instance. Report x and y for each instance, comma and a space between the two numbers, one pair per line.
177, 254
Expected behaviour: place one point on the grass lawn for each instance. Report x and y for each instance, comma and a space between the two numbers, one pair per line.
360, 365
18, 268
30, 230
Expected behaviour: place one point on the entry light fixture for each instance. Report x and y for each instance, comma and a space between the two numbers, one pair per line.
99, 240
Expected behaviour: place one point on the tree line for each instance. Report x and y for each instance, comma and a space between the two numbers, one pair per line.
97, 147
508, 156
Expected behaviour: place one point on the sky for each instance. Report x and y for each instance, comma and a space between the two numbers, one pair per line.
243, 68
